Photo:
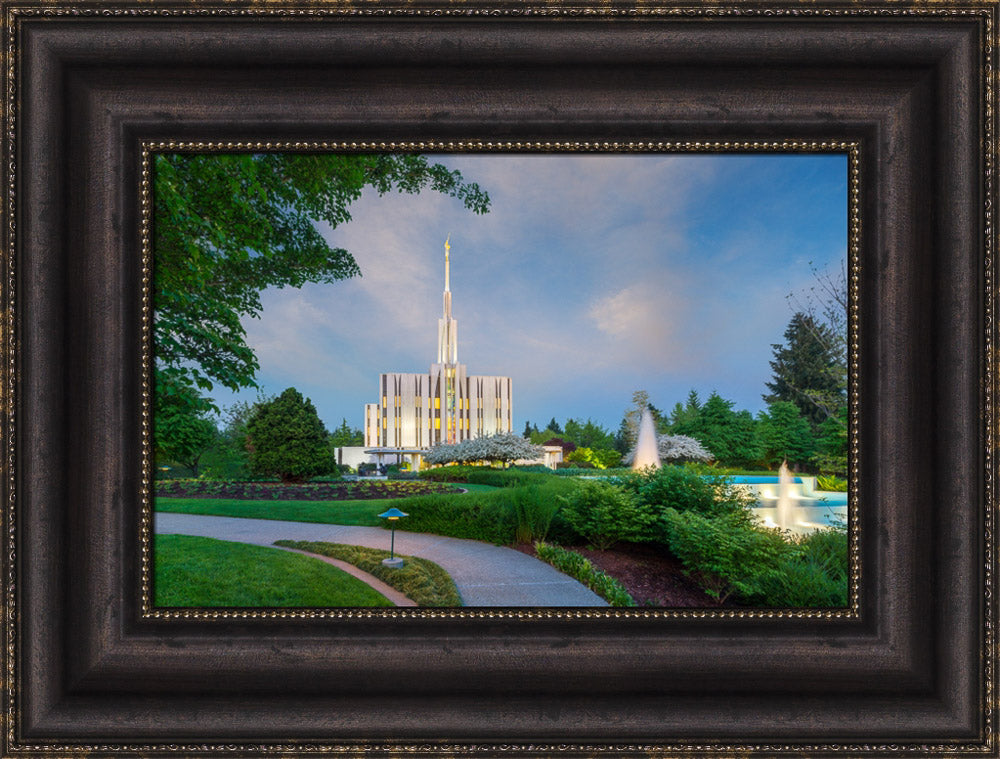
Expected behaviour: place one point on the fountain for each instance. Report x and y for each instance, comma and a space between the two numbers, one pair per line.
783, 515
647, 447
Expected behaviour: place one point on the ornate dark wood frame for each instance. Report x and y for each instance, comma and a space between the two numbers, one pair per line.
89, 87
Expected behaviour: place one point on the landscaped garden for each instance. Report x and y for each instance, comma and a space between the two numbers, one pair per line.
672, 537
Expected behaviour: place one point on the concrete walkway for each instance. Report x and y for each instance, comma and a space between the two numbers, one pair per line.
485, 575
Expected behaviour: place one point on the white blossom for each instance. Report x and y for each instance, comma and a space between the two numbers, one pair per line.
502, 447
676, 448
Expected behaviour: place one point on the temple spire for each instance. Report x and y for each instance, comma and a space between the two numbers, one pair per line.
447, 327
447, 264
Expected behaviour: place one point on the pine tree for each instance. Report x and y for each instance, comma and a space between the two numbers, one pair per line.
807, 371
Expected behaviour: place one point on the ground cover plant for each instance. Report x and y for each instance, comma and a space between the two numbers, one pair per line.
308, 491
579, 568
420, 580
204, 572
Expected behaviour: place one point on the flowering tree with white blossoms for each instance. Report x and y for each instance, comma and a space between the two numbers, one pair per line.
499, 448
677, 448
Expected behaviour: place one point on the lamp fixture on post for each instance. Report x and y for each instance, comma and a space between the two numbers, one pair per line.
393, 515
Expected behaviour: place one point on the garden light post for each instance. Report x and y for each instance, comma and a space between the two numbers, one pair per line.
393, 516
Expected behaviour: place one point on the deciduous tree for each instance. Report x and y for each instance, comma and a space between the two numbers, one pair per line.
286, 439
229, 226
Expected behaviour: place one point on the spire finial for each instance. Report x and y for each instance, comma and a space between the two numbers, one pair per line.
447, 266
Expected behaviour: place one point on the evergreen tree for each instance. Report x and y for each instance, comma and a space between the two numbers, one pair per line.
807, 370
683, 418
554, 426
285, 438
730, 435
786, 435
345, 435
527, 431
831, 445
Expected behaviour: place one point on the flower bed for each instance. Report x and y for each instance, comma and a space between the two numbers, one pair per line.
309, 491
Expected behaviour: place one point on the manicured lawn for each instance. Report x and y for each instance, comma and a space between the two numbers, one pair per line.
362, 513
199, 572
473, 487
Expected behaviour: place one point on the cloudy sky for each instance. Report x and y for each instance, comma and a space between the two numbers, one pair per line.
592, 276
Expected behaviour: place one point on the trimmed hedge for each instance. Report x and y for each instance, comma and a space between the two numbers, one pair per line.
420, 580
514, 513
484, 475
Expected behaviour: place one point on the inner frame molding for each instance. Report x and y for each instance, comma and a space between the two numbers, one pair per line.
776, 147
910, 90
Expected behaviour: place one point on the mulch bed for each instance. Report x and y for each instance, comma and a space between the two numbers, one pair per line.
650, 576
314, 491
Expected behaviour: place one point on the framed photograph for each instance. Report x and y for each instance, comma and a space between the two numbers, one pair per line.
166, 164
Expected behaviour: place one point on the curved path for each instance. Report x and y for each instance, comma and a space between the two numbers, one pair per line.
485, 575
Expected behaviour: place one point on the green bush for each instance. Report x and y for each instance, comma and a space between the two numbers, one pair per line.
420, 580
760, 566
535, 507
831, 483
508, 515
801, 582
604, 513
485, 475
579, 568
684, 489
574, 471
724, 553
476, 516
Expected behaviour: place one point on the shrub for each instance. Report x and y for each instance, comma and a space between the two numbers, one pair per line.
604, 513
475, 516
813, 574
827, 546
724, 553
579, 568
831, 483
534, 507
502, 516
482, 475
801, 582
683, 489
420, 580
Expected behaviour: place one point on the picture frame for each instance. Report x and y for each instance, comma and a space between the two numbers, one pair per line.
910, 668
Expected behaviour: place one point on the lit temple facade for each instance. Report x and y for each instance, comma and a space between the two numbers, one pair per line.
445, 405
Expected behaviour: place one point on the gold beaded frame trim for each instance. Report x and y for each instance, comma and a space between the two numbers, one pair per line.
985, 12
850, 148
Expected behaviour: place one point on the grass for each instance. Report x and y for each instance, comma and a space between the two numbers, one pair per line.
199, 572
474, 487
363, 513
420, 580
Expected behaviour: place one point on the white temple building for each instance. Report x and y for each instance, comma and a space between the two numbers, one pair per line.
445, 405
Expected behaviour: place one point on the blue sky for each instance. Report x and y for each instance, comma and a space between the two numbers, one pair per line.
592, 276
